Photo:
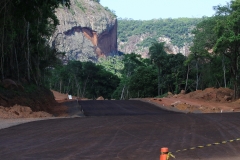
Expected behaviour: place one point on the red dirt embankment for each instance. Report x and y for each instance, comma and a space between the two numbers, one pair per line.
210, 100
54, 108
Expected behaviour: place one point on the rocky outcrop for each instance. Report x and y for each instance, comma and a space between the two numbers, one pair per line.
173, 49
132, 46
86, 31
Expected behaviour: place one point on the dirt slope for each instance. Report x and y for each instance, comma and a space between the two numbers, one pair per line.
210, 100
38, 105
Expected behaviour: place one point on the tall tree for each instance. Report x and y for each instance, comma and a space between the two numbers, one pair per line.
131, 63
228, 37
158, 56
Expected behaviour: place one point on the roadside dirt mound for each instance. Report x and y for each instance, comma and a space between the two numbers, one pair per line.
210, 100
28, 101
100, 98
211, 94
18, 111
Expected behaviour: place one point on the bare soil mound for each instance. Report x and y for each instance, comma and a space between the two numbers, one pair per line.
30, 101
211, 94
18, 111
210, 100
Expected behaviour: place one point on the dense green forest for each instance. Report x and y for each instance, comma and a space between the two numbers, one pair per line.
25, 54
178, 30
83, 79
25, 28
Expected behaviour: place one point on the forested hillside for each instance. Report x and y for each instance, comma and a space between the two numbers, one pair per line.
137, 35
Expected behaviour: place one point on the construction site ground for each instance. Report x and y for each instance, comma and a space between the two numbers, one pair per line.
129, 129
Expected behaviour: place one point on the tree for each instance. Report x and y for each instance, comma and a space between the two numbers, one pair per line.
131, 63
84, 79
113, 64
158, 56
143, 82
201, 51
228, 38
25, 27
174, 72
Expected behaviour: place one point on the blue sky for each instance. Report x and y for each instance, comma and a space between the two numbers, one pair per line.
151, 9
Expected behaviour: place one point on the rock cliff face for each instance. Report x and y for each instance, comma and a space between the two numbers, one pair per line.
132, 46
172, 49
86, 31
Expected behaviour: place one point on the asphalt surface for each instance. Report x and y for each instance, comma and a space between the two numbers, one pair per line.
123, 130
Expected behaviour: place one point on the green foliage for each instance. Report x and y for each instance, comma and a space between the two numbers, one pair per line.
178, 30
140, 77
131, 63
143, 83
112, 64
25, 29
84, 79
215, 53
228, 38
158, 56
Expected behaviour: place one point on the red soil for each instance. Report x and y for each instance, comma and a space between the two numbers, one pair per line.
210, 100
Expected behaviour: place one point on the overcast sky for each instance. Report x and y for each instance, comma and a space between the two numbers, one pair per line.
151, 9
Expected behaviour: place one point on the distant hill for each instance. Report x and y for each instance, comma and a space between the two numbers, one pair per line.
137, 35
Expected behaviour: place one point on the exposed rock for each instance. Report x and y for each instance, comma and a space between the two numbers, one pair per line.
172, 49
100, 98
86, 31
132, 46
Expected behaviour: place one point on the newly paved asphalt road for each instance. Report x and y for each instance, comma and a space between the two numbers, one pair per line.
123, 130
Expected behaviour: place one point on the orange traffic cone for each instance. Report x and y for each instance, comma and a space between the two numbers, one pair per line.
164, 153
